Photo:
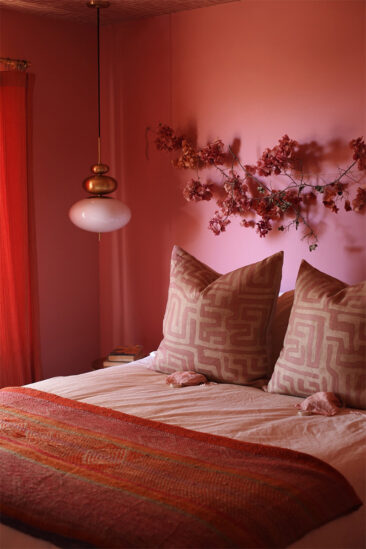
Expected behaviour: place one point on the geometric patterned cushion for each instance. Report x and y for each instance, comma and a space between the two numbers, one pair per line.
218, 325
279, 325
325, 343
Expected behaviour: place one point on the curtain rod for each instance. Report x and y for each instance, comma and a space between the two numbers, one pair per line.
16, 64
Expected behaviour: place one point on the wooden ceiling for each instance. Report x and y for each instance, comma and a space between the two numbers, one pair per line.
119, 10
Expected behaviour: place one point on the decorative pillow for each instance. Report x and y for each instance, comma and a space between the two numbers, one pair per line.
279, 325
325, 343
218, 325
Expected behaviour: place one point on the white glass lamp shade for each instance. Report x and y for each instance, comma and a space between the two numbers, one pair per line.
99, 214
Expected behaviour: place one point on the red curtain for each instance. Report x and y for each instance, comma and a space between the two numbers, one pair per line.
18, 364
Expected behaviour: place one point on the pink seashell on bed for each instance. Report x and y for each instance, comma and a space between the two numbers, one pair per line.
185, 379
323, 403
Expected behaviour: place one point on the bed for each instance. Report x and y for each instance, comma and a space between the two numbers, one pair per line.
313, 462
242, 413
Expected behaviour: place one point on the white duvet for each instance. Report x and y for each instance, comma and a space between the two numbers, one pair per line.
233, 411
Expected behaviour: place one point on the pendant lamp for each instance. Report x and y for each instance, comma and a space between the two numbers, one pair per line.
99, 213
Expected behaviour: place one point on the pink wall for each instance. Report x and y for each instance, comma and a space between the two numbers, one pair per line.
252, 70
134, 261
62, 149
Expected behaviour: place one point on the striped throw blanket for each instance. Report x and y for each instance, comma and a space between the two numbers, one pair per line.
85, 476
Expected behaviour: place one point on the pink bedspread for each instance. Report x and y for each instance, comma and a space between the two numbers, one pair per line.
234, 411
153, 485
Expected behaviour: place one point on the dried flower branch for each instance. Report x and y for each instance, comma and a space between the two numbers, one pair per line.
252, 196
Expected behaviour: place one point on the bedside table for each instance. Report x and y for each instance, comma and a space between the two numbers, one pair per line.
122, 355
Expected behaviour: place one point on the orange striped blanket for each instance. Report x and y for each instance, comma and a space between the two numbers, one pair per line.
85, 476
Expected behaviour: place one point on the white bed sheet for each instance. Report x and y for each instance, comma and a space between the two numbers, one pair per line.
243, 413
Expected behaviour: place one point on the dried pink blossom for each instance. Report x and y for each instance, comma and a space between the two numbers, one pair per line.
359, 203
247, 194
263, 227
281, 157
194, 191
166, 140
359, 152
213, 154
218, 224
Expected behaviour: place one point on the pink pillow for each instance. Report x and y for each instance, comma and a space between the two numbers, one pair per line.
279, 325
185, 379
325, 343
218, 325
325, 404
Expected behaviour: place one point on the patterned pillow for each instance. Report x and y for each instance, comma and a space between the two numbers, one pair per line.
217, 325
279, 325
325, 343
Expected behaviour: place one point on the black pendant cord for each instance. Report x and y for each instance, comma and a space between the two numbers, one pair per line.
98, 46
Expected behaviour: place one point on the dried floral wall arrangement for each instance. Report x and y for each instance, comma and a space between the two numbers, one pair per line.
274, 193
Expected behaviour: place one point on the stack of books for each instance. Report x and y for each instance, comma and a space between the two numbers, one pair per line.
123, 354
